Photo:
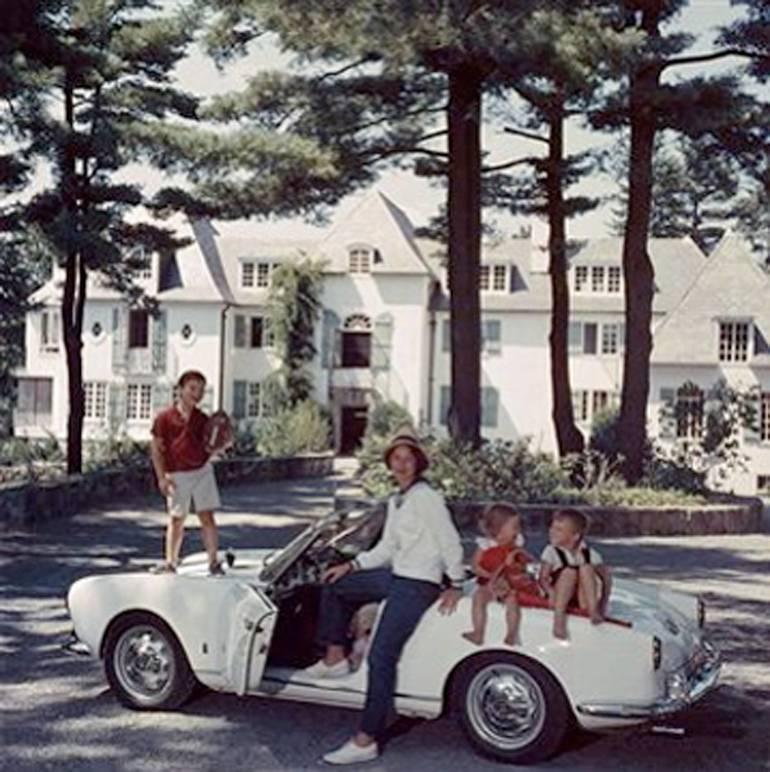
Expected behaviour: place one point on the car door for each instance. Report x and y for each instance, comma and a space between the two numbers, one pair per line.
252, 617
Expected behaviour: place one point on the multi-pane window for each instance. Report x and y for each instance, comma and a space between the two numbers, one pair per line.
247, 274
139, 402
49, 330
587, 404
493, 278
263, 274
253, 332
34, 401
611, 338
613, 279
490, 400
764, 418
580, 405
256, 273
733, 341
490, 336
253, 399
138, 328
689, 411
95, 394
597, 278
581, 277
360, 260
499, 278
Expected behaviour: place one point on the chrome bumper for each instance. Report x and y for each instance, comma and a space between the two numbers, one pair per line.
73, 645
683, 691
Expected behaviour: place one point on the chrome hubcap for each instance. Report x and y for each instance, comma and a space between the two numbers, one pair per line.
144, 663
505, 706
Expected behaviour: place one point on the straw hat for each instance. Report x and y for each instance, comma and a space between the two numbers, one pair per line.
406, 436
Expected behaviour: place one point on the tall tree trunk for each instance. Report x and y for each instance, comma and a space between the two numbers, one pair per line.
73, 299
638, 273
568, 437
464, 205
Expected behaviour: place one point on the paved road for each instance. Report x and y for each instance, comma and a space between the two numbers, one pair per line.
55, 712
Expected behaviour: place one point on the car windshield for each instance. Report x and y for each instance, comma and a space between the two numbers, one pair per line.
345, 533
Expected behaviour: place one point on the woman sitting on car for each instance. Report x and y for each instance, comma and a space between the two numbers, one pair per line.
419, 545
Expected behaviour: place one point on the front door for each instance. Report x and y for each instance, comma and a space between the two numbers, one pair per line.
251, 628
353, 426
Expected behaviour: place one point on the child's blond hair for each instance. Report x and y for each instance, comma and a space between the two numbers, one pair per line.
495, 515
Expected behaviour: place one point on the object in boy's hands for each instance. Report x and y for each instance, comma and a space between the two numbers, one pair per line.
218, 432
361, 628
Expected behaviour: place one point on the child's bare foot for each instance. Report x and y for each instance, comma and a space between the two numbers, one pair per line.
474, 637
512, 639
597, 618
560, 626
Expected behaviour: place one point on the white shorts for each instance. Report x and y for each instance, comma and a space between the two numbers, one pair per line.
195, 490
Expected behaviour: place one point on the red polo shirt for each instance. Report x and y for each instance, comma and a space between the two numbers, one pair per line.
183, 441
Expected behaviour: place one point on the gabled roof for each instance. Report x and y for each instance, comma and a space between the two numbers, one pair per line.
676, 262
377, 222
199, 269
729, 286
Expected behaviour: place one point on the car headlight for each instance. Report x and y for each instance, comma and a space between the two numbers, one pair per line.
657, 652
676, 686
701, 614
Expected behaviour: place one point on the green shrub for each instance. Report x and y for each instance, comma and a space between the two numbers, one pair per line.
19, 451
304, 428
385, 418
116, 450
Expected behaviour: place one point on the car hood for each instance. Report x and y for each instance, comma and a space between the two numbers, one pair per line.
648, 610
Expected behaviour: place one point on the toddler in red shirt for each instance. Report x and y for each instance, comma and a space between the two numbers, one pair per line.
500, 565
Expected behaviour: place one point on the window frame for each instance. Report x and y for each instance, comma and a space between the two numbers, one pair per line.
729, 356
138, 313
50, 330
95, 400
139, 407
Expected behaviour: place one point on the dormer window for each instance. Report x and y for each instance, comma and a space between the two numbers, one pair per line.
598, 279
360, 259
734, 341
493, 278
256, 273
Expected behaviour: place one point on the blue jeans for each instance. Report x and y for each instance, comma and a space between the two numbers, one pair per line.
407, 601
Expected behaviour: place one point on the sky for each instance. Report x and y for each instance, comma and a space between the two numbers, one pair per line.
416, 196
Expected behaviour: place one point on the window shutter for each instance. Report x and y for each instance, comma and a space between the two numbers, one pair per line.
329, 339
161, 397
117, 405
752, 430
239, 399
667, 416
239, 331
119, 340
489, 400
575, 336
589, 337
491, 336
159, 343
381, 340
446, 335
444, 402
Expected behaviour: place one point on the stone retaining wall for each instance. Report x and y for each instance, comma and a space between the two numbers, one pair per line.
23, 504
725, 515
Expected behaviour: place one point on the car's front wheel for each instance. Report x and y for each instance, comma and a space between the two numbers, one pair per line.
512, 708
145, 665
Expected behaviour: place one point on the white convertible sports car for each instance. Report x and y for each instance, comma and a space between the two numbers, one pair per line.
252, 631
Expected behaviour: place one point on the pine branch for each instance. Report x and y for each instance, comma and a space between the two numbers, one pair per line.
699, 58
511, 164
526, 134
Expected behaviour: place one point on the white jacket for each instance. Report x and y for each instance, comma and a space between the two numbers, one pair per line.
419, 540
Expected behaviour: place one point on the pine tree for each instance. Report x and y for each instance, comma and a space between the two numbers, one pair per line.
697, 107
565, 55
380, 78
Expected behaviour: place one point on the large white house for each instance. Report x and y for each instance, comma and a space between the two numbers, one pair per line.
384, 333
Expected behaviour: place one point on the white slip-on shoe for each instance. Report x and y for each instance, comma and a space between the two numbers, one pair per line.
352, 753
322, 670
